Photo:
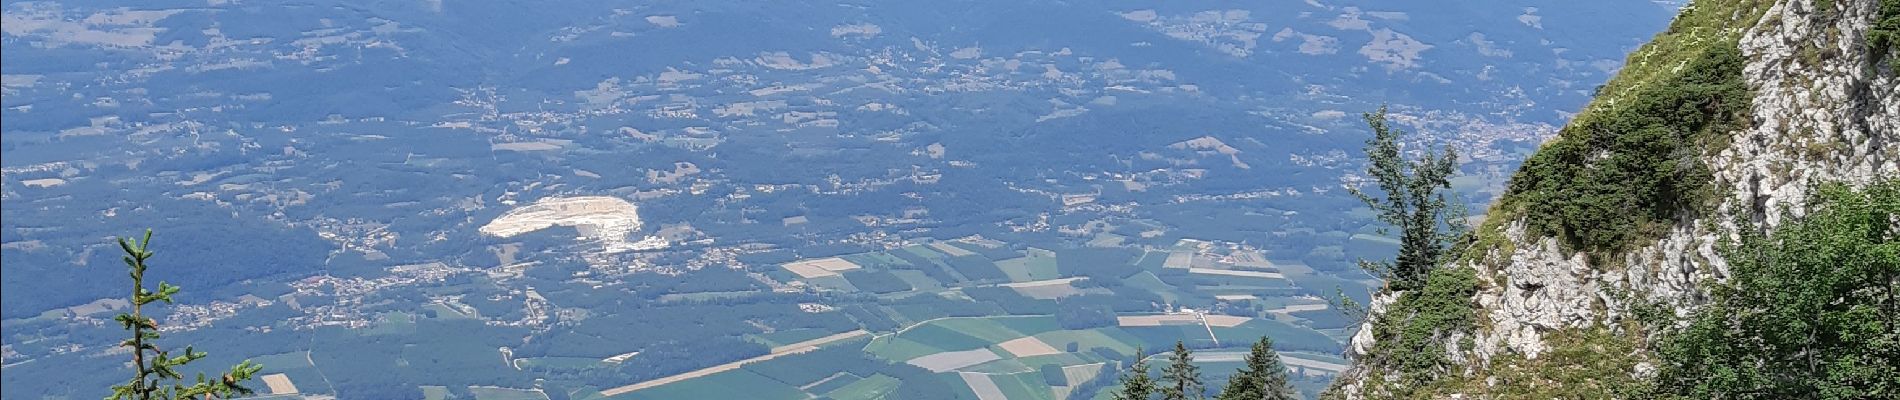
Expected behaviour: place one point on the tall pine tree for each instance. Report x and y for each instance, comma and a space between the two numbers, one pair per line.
1264, 376
1136, 385
1182, 377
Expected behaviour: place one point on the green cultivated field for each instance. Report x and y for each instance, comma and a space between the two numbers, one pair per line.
922, 341
393, 323
1151, 260
932, 294
1029, 268
1026, 385
918, 280
924, 251
432, 392
993, 330
443, 311
295, 365
1284, 335
1112, 338
496, 393
561, 363
734, 384
1003, 366
1029, 325
1146, 280
835, 383
874, 387
701, 296
875, 260
1157, 338
834, 282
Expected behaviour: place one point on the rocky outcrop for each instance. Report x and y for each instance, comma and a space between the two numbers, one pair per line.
1823, 110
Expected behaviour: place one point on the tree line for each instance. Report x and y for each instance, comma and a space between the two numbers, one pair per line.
1262, 378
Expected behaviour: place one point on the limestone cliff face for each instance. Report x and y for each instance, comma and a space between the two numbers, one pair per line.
1824, 108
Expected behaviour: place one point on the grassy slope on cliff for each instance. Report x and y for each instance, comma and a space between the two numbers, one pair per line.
1624, 166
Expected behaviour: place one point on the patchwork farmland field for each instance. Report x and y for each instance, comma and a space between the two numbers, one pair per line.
1029, 268
795, 348
874, 387
729, 384
1111, 338
820, 267
278, 384
1237, 273
1046, 289
831, 383
951, 250
1027, 346
969, 321
950, 360
1024, 385
984, 387
1157, 320
297, 371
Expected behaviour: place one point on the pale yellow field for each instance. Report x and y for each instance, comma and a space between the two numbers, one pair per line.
279, 384
1027, 346
833, 264
1314, 364
1229, 272
951, 360
1045, 289
1293, 308
807, 271
1225, 321
1156, 320
820, 267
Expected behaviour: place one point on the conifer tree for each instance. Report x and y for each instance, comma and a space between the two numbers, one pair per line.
1415, 198
1182, 377
157, 375
1264, 376
1136, 385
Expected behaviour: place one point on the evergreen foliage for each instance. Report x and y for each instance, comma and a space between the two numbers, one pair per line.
1414, 196
1412, 332
1434, 303
1884, 36
1135, 383
1181, 378
1264, 376
1811, 311
1622, 174
157, 375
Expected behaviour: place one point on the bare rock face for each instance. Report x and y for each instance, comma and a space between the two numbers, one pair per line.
1542, 289
1827, 119
1822, 111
